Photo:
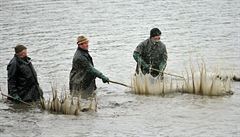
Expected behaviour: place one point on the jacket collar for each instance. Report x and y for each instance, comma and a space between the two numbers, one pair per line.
151, 41
82, 50
158, 44
25, 61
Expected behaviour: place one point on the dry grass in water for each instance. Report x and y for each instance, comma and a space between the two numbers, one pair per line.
196, 82
67, 104
203, 83
148, 85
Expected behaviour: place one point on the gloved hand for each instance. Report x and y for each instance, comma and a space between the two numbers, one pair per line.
139, 60
105, 79
162, 66
146, 67
16, 98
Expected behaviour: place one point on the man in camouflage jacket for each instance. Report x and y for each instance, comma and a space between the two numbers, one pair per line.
151, 53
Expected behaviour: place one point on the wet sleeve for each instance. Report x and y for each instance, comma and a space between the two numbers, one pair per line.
137, 52
12, 81
139, 60
139, 48
93, 71
137, 55
165, 55
163, 64
90, 68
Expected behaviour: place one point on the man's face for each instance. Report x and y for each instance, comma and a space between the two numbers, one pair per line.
22, 54
84, 45
156, 39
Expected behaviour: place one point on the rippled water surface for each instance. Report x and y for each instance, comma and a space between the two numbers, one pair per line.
191, 29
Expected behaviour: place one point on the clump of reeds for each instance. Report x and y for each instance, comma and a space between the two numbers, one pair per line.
197, 82
203, 83
148, 85
67, 104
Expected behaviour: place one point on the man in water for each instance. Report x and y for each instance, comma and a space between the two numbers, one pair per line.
22, 77
151, 55
83, 73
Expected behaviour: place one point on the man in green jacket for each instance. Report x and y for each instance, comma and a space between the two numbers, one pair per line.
151, 55
83, 73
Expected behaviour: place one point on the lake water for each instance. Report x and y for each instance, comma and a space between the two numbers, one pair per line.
191, 29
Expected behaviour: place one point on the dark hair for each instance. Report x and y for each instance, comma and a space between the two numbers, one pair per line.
19, 48
155, 32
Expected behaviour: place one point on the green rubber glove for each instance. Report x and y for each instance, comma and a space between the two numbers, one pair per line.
17, 99
162, 66
146, 67
105, 79
140, 61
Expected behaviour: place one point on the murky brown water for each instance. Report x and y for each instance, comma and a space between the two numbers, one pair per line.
208, 30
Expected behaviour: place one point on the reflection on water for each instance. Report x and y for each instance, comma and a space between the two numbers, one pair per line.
196, 29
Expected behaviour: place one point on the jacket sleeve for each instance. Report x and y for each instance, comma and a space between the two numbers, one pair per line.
163, 64
139, 60
137, 55
165, 54
139, 48
90, 68
95, 72
12, 69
